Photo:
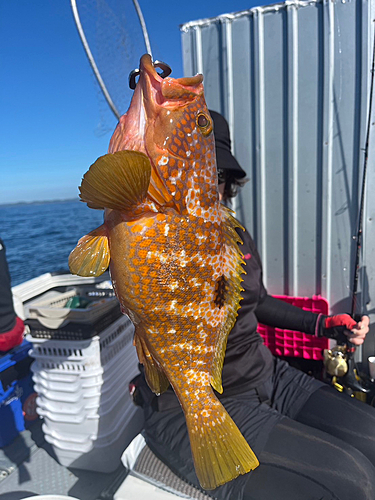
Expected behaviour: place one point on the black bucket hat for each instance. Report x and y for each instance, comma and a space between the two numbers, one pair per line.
224, 158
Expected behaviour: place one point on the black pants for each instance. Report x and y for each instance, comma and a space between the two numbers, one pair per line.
312, 442
7, 314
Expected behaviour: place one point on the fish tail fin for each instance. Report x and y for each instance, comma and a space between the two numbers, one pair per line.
220, 452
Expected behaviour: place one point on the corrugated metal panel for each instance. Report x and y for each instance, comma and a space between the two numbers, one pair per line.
293, 81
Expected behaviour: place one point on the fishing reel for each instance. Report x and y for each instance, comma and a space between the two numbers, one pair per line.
335, 362
340, 365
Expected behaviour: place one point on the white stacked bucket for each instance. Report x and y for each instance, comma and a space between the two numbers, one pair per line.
83, 396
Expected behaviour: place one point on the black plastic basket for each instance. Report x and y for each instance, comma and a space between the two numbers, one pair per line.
74, 330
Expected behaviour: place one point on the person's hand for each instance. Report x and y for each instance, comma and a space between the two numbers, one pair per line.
342, 326
358, 333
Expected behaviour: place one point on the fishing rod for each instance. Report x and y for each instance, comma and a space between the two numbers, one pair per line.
359, 234
351, 379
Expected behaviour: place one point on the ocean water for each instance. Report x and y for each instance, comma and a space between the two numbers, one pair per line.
39, 237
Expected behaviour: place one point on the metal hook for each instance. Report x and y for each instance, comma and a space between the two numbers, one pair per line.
132, 78
166, 70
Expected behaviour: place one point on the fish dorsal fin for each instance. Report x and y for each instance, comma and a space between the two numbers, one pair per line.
91, 255
232, 293
119, 181
155, 377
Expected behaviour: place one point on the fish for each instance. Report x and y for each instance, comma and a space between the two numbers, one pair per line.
172, 250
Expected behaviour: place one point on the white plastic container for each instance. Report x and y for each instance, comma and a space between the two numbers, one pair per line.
81, 421
62, 379
76, 391
118, 372
50, 497
82, 401
102, 454
83, 355
83, 395
64, 390
83, 442
84, 421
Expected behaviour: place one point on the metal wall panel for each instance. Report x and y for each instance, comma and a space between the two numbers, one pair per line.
293, 81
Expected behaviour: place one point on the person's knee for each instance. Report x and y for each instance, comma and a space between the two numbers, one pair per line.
300, 458
273, 480
358, 473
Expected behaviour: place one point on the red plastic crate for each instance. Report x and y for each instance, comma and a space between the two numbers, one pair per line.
292, 343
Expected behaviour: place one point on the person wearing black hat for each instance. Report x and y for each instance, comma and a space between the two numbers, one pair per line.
300, 429
229, 172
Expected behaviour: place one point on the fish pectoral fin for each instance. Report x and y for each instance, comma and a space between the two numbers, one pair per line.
119, 181
220, 452
91, 255
155, 377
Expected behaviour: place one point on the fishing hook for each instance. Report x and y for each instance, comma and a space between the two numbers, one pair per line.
165, 71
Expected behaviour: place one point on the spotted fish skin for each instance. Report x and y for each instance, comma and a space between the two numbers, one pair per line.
174, 258
170, 290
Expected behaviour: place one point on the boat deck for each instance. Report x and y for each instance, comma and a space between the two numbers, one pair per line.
28, 466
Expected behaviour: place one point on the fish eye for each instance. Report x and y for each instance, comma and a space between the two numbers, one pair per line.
204, 123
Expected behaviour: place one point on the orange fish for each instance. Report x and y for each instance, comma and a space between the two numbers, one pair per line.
172, 249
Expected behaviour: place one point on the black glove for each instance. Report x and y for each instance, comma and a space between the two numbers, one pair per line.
336, 327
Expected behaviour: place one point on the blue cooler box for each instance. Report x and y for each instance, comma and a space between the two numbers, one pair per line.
17, 395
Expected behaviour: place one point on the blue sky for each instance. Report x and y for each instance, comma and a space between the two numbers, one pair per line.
54, 121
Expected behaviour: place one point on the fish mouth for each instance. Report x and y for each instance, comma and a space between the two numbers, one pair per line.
166, 91
152, 96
